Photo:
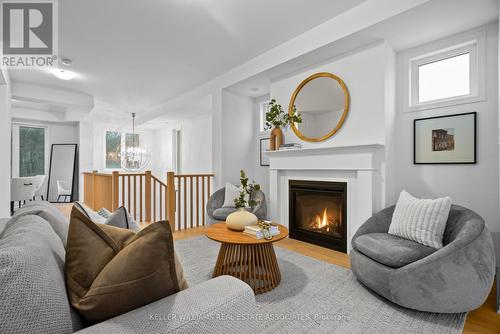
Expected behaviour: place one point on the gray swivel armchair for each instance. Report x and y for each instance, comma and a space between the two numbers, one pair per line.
216, 212
456, 278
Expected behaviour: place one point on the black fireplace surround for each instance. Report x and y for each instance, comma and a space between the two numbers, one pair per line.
318, 213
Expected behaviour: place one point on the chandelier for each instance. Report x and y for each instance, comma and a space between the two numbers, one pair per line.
135, 157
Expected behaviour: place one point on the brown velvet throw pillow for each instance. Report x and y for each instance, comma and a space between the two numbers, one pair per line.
111, 270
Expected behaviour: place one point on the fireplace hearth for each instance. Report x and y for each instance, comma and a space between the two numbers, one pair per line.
318, 213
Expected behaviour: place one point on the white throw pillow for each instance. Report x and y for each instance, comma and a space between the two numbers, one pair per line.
91, 214
104, 213
420, 220
119, 218
232, 193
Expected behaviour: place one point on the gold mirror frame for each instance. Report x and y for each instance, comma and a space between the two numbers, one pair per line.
344, 114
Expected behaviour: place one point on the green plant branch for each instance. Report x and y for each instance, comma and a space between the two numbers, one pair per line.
277, 117
247, 187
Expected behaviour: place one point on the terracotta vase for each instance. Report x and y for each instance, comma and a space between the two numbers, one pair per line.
276, 139
237, 221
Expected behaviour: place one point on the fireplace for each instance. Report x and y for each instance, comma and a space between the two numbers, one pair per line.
318, 213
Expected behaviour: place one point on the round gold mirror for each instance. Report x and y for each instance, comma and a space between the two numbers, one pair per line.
323, 102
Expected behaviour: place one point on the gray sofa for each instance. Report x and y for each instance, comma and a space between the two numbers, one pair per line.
456, 278
34, 298
216, 212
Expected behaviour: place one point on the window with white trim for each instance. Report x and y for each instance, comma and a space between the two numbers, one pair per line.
30, 149
113, 149
444, 76
444, 73
114, 140
264, 108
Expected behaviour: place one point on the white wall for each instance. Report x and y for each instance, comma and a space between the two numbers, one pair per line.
216, 97
261, 173
237, 145
473, 186
97, 132
363, 72
496, 235
86, 152
64, 133
163, 158
375, 117
92, 146
196, 144
5, 144
196, 141
389, 172
369, 74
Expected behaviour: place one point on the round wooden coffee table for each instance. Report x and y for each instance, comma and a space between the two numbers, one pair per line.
247, 258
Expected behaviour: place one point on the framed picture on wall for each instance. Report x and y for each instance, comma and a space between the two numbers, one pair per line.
264, 146
449, 139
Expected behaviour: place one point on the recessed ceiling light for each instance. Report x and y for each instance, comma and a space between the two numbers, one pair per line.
63, 74
66, 61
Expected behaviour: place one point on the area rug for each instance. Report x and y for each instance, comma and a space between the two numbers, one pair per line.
318, 297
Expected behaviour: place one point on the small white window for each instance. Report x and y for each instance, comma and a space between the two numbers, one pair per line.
114, 141
113, 149
445, 72
444, 79
264, 107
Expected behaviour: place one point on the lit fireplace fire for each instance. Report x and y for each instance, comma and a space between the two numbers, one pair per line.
323, 224
318, 213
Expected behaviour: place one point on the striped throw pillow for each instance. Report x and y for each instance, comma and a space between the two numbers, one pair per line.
420, 220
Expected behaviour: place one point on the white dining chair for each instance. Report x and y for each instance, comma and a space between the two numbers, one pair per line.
63, 190
40, 187
22, 189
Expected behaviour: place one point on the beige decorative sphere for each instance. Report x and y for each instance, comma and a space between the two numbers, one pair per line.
237, 221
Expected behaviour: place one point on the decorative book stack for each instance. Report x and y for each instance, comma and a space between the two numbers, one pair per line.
290, 146
256, 231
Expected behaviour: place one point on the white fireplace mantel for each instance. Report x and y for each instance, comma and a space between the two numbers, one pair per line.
359, 157
359, 166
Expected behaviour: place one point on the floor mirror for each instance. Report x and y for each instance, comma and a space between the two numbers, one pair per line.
61, 185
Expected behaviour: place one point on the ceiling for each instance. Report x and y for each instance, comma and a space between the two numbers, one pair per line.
430, 21
131, 55
434, 20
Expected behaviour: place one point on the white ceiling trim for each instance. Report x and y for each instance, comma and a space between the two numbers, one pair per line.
45, 103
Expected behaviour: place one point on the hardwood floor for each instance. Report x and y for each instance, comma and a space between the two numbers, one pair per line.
484, 320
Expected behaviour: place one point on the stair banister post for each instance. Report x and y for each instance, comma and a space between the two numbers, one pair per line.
147, 199
171, 200
94, 172
115, 186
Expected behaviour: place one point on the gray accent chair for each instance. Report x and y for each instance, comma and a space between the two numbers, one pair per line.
456, 278
215, 211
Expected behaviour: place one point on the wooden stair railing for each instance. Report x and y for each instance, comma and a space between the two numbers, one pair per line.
181, 200
193, 191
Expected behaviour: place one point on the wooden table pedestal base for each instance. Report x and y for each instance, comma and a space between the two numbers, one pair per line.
255, 264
